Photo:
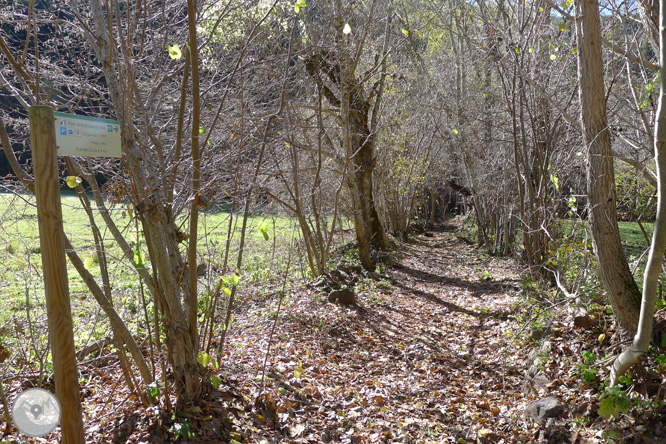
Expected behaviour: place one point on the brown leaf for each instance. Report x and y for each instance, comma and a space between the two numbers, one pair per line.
4, 354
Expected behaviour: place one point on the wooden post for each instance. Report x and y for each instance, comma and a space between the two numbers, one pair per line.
52, 243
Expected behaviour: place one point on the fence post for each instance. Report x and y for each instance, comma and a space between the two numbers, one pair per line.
54, 265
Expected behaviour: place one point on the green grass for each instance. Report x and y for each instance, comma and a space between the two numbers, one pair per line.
21, 280
633, 238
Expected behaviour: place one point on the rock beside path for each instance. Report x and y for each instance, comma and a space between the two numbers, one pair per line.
542, 409
344, 296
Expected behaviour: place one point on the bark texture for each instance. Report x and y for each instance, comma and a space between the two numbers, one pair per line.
170, 282
614, 271
360, 149
649, 12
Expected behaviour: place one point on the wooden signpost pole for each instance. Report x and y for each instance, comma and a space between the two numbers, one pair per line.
52, 243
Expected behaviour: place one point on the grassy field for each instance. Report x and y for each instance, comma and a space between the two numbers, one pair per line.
21, 281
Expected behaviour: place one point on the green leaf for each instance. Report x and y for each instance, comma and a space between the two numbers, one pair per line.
455, 132
346, 29
182, 430
298, 5
623, 404
215, 380
282, 390
88, 263
153, 389
562, 27
202, 130
626, 380
203, 359
553, 57
517, 50
590, 375
406, 32
235, 279
590, 358
73, 181
607, 408
139, 258
174, 52
226, 291
531, 50
263, 229
611, 436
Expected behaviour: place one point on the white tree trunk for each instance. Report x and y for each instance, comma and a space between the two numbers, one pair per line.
636, 353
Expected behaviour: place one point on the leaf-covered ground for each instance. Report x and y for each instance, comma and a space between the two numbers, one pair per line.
426, 357
436, 351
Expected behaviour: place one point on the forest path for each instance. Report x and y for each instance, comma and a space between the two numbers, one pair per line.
430, 356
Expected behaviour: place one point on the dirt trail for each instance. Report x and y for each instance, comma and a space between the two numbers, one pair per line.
433, 353
429, 357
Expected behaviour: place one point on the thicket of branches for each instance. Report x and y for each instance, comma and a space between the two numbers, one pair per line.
376, 112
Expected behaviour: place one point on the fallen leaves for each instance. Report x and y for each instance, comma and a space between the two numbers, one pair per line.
434, 360
425, 362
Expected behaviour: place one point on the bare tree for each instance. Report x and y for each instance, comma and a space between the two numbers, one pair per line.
339, 38
161, 172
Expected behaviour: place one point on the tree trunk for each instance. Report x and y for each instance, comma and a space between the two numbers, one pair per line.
649, 12
360, 152
614, 271
359, 118
170, 281
636, 353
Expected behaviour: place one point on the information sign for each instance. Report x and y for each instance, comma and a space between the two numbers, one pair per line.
87, 136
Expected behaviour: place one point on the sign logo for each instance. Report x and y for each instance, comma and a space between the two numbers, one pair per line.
36, 412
